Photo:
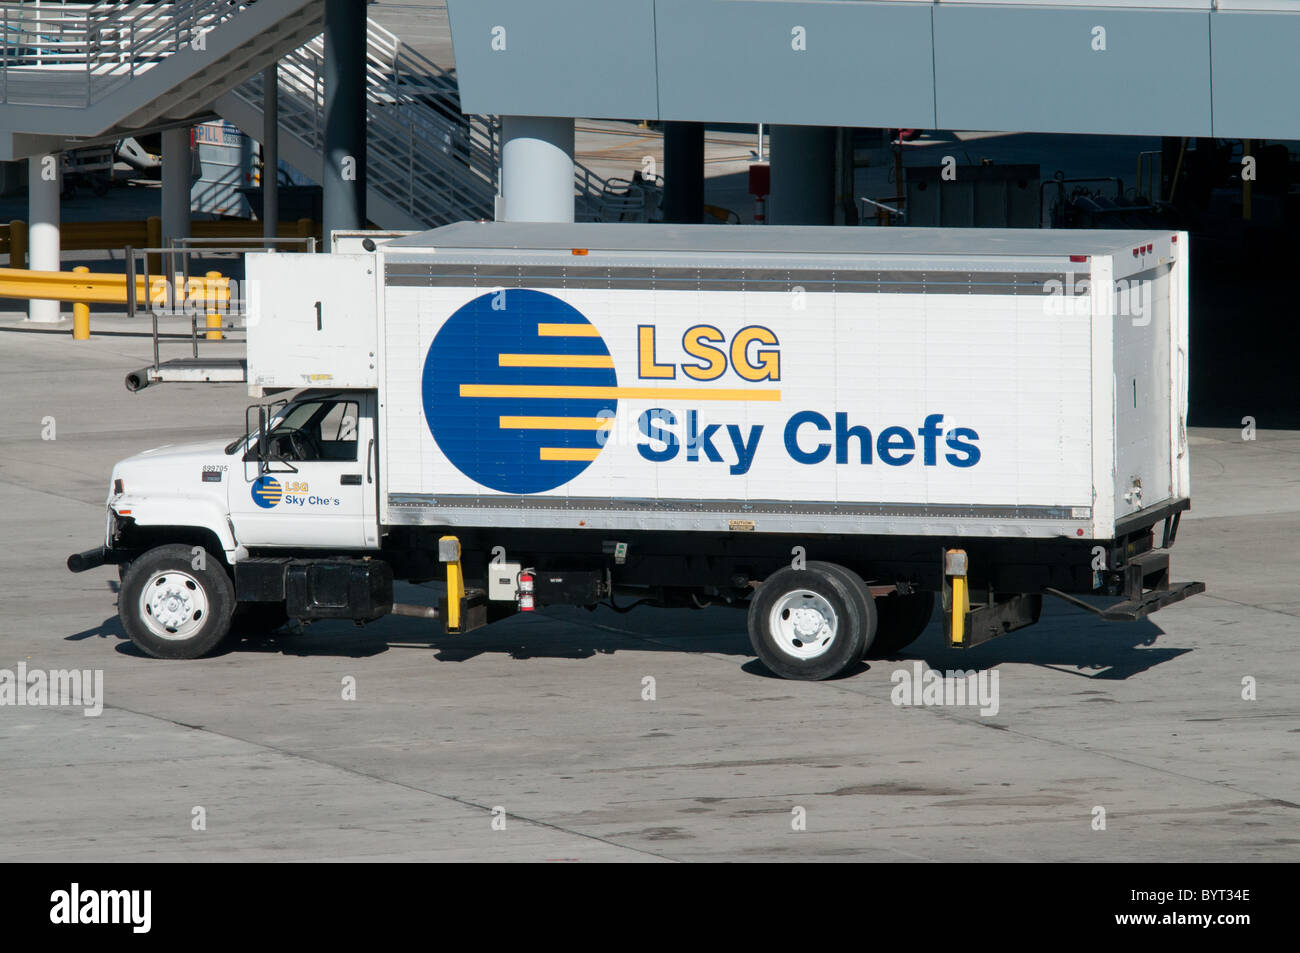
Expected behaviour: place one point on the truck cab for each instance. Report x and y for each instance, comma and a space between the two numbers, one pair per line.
307, 479
302, 477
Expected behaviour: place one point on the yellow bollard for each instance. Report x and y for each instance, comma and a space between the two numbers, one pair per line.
214, 319
18, 243
80, 313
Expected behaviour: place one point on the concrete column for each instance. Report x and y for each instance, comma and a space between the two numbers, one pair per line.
176, 183
803, 176
43, 225
683, 172
537, 169
344, 179
271, 151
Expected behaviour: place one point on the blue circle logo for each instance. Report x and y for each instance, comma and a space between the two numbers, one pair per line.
519, 391
267, 492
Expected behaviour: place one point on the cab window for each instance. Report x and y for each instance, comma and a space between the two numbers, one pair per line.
316, 430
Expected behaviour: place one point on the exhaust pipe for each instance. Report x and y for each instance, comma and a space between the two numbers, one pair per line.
138, 380
80, 562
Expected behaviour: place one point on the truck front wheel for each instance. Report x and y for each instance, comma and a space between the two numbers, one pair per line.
811, 623
171, 608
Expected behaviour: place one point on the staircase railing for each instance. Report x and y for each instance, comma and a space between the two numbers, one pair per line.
421, 154
98, 47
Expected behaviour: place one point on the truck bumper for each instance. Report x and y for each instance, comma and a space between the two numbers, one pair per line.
99, 556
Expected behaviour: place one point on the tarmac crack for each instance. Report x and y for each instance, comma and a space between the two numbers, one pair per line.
356, 772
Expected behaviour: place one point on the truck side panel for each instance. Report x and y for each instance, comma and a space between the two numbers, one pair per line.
864, 409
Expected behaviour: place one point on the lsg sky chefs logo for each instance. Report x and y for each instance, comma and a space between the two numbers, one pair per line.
517, 386
267, 492
521, 394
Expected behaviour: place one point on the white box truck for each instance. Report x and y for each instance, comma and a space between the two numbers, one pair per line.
827, 426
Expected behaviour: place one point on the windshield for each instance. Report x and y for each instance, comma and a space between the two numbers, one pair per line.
274, 413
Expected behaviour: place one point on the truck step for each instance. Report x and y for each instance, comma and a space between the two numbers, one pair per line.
190, 370
1133, 609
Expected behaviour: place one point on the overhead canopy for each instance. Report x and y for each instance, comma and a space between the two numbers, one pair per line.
1223, 68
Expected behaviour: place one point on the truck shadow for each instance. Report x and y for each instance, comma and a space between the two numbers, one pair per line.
1065, 639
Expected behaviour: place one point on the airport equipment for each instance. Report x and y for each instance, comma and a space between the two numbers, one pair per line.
826, 427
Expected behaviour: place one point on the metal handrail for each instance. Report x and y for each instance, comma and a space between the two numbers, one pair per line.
423, 155
108, 43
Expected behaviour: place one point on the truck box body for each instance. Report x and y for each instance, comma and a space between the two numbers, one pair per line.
877, 381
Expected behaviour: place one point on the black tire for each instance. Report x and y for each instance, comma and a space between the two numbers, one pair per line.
867, 603
174, 587
773, 633
902, 619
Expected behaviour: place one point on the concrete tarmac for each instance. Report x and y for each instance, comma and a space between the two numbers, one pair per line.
541, 719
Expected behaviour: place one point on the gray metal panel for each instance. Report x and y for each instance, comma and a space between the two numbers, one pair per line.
839, 280
788, 241
562, 57
1033, 68
1256, 75
584, 504
865, 64
423, 510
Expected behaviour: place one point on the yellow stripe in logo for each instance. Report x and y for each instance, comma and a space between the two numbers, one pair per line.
567, 331
595, 393
556, 423
554, 360
569, 453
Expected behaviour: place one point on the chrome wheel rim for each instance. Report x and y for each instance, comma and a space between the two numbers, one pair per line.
803, 624
173, 605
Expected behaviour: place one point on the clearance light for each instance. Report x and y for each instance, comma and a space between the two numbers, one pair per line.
579, 251
1078, 258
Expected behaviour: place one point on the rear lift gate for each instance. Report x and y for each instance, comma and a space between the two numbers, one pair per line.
1141, 577
1146, 589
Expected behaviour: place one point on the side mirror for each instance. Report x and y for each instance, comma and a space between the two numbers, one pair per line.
259, 432
262, 456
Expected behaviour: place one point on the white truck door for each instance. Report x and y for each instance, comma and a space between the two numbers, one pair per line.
315, 493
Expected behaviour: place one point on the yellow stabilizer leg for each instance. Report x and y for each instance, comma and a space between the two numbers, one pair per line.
960, 606
449, 552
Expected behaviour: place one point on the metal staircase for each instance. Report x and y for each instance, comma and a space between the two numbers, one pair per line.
102, 70
426, 164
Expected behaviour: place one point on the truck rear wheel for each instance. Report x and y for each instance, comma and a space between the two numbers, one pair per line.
811, 623
902, 619
171, 609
